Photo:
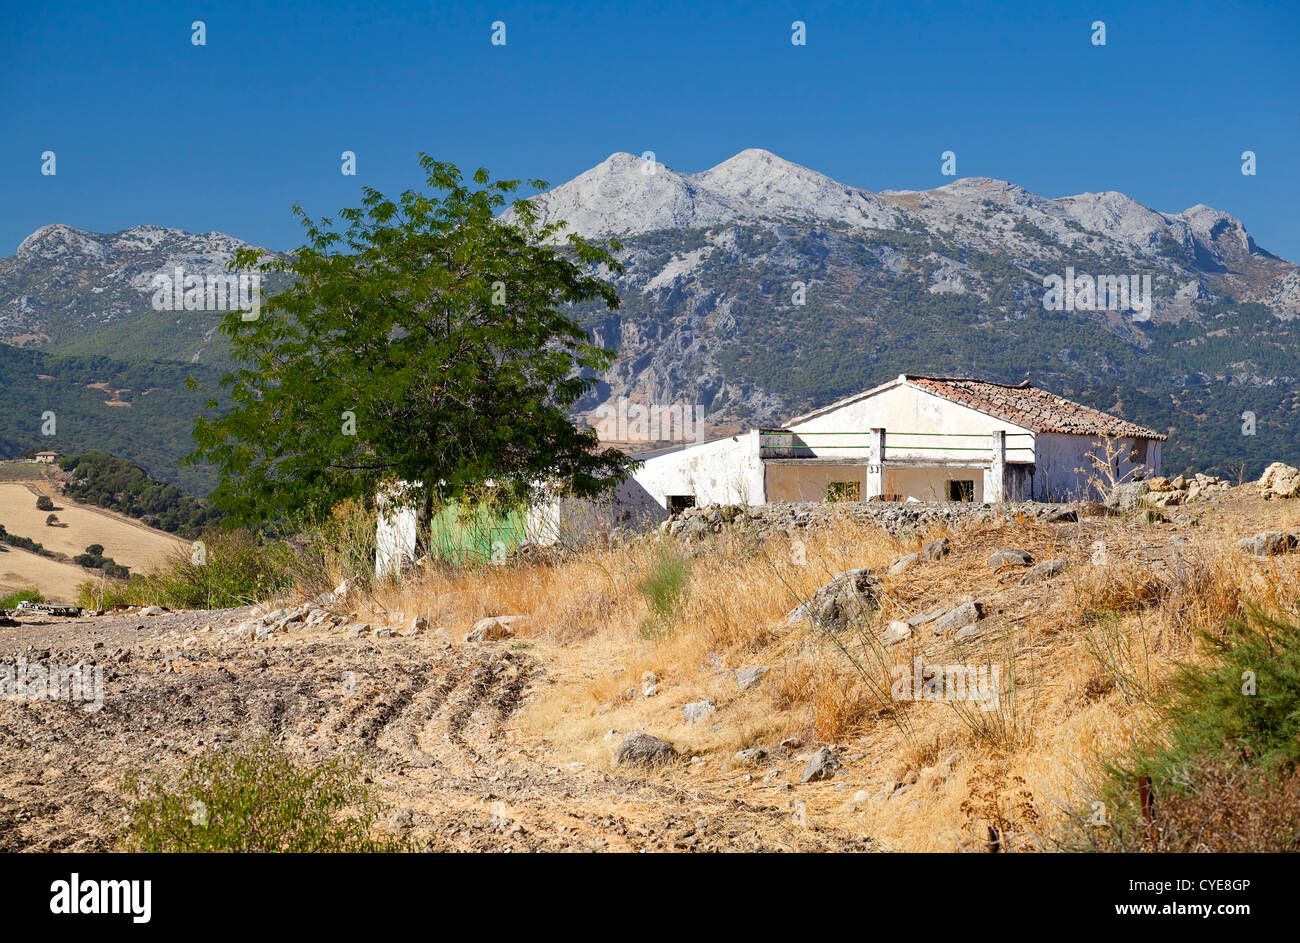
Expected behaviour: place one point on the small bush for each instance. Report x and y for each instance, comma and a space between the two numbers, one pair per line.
43, 503
1225, 765
255, 798
95, 550
663, 587
13, 599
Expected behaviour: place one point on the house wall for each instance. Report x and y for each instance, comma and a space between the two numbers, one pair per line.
904, 408
808, 482
930, 484
1064, 470
726, 471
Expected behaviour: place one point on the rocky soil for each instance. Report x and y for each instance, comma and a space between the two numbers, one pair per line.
431, 718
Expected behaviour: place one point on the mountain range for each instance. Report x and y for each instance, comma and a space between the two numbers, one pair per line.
758, 289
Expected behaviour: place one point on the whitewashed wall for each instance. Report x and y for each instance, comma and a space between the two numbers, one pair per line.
1064, 469
905, 408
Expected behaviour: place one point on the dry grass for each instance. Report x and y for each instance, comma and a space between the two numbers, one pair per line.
1080, 658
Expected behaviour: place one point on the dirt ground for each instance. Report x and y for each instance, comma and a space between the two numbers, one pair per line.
431, 719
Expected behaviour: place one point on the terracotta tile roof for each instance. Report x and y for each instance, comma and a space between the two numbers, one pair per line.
1028, 406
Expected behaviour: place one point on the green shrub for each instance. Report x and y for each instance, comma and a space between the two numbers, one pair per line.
13, 599
665, 584
1226, 754
255, 798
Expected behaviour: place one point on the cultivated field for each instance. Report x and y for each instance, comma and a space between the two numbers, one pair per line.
509, 744
124, 540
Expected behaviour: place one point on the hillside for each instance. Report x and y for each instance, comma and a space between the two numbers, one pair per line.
141, 409
80, 525
757, 289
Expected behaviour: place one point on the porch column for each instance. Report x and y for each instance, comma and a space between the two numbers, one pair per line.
995, 480
875, 464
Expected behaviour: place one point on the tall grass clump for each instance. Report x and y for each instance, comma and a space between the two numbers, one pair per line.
254, 797
664, 586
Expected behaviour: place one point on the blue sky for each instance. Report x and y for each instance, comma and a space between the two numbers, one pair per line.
148, 128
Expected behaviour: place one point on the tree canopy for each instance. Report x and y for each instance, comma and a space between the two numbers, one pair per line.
424, 340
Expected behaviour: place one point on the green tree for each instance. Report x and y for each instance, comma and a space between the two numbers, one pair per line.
423, 340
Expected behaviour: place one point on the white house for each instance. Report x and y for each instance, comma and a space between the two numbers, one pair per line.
915, 437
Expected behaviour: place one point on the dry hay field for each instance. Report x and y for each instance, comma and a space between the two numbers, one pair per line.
126, 541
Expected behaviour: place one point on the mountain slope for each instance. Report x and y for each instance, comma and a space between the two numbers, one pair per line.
759, 289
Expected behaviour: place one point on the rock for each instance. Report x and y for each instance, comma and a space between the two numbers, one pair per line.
384, 632
926, 617
1127, 496
936, 549
1159, 484
958, 617
751, 756
849, 598
821, 765
345, 589
972, 631
1164, 499
1268, 543
751, 677
697, 711
1060, 516
361, 630
1000, 558
1045, 571
401, 821
642, 749
902, 563
1279, 481
898, 631
152, 611
491, 629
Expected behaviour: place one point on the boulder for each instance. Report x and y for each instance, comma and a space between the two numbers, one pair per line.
958, 617
1045, 571
642, 749
1280, 481
697, 711
1268, 543
492, 629
821, 765
751, 677
152, 611
898, 631
1000, 558
1127, 496
751, 756
936, 549
849, 598
902, 563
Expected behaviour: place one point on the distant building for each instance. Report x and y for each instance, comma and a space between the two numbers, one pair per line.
47, 457
915, 438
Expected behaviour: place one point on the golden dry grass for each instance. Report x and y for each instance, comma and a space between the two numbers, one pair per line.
1080, 657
